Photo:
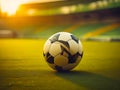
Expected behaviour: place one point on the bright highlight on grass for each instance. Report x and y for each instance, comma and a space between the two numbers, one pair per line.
10, 7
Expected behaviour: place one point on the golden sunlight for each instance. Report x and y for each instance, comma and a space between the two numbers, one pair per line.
10, 6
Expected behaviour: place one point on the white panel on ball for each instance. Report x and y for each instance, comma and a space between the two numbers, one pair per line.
80, 48
65, 36
73, 47
55, 49
47, 46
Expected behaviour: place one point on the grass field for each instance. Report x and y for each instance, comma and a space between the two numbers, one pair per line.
22, 67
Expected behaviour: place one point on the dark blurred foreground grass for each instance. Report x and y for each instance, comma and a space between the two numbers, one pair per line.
22, 67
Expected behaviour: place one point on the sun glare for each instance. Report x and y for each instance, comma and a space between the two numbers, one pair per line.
10, 6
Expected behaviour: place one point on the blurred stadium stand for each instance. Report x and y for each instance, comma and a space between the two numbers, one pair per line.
44, 13
50, 14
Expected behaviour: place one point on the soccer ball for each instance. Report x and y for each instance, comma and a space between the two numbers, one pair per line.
63, 51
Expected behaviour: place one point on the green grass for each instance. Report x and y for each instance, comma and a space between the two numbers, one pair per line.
22, 67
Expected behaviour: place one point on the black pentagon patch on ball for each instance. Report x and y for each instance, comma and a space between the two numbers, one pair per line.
73, 58
64, 50
50, 58
47, 55
64, 43
74, 38
58, 68
54, 38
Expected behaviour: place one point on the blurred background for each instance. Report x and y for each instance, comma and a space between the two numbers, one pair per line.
87, 19
25, 25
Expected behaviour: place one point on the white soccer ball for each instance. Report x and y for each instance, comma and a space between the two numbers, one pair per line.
63, 51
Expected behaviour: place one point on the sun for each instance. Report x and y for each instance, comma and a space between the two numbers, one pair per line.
10, 6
